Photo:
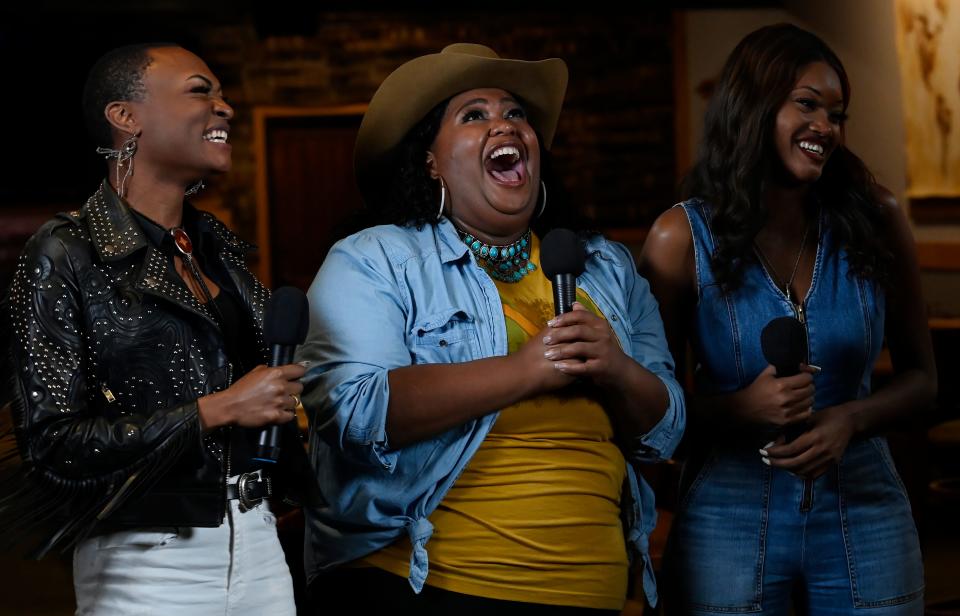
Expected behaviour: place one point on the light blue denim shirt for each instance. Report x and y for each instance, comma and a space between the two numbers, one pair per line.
393, 296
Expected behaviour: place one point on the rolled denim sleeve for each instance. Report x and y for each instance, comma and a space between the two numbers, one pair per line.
356, 336
649, 348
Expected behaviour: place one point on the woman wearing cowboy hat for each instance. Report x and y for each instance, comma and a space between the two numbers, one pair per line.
449, 404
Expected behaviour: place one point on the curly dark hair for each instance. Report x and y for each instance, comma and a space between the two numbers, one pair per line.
407, 195
116, 76
737, 154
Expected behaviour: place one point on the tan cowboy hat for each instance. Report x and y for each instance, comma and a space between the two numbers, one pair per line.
411, 91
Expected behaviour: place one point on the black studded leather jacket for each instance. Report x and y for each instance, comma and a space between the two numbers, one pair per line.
112, 352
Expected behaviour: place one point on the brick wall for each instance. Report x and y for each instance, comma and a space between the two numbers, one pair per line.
614, 148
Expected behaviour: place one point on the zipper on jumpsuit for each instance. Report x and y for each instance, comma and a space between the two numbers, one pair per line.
806, 500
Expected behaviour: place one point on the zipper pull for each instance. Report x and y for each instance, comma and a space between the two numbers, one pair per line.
798, 308
107, 393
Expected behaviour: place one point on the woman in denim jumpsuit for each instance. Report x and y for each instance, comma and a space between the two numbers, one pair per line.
788, 491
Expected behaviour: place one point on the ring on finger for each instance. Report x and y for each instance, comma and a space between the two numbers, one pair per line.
296, 401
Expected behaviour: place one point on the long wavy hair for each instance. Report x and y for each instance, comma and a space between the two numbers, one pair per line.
406, 194
737, 155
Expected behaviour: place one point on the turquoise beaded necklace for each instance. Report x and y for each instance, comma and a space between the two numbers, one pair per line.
508, 263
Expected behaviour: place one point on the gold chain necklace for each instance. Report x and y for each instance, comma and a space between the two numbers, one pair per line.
796, 264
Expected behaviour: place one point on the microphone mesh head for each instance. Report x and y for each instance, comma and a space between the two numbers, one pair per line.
784, 344
287, 317
561, 253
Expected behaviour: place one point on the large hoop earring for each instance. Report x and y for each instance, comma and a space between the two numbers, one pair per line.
443, 198
194, 189
124, 156
543, 205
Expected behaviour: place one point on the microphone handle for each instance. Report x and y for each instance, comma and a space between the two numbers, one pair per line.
564, 292
281, 354
793, 431
268, 445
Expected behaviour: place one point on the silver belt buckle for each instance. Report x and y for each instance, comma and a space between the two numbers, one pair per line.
246, 503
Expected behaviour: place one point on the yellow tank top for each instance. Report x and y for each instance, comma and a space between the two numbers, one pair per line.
535, 515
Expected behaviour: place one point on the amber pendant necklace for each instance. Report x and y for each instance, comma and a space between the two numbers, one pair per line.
182, 241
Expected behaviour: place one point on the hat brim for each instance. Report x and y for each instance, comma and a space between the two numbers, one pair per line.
411, 91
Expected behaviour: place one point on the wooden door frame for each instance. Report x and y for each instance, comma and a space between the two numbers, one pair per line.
261, 116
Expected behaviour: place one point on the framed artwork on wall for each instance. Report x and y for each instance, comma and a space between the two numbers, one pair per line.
928, 37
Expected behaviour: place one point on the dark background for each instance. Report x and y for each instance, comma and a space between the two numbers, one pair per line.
616, 151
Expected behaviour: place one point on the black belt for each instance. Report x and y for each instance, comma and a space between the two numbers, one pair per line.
250, 489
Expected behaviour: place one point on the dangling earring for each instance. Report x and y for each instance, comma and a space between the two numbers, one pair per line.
443, 198
194, 189
124, 157
543, 206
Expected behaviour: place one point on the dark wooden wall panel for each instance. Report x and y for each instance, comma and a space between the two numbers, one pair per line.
311, 191
614, 150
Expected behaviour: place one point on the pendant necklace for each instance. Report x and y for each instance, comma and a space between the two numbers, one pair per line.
182, 241
787, 287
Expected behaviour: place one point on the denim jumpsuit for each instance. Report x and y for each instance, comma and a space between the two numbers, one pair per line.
746, 534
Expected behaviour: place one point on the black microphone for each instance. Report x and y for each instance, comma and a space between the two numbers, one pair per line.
784, 344
562, 260
285, 325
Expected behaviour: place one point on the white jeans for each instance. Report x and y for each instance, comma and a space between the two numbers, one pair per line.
235, 569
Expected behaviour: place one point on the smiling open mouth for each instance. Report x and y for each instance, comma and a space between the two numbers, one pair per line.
814, 148
215, 136
505, 165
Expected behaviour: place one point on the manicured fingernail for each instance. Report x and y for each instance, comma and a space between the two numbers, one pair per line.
766, 461
553, 322
550, 353
763, 452
305, 363
560, 366
770, 444
547, 339
816, 369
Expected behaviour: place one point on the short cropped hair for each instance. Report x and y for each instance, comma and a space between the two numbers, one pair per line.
116, 76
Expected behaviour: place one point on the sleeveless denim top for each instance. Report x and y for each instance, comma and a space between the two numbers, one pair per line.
845, 324
844, 320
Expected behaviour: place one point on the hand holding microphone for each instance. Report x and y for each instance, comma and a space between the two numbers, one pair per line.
266, 396
579, 342
811, 443
561, 261
781, 395
784, 345
285, 326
